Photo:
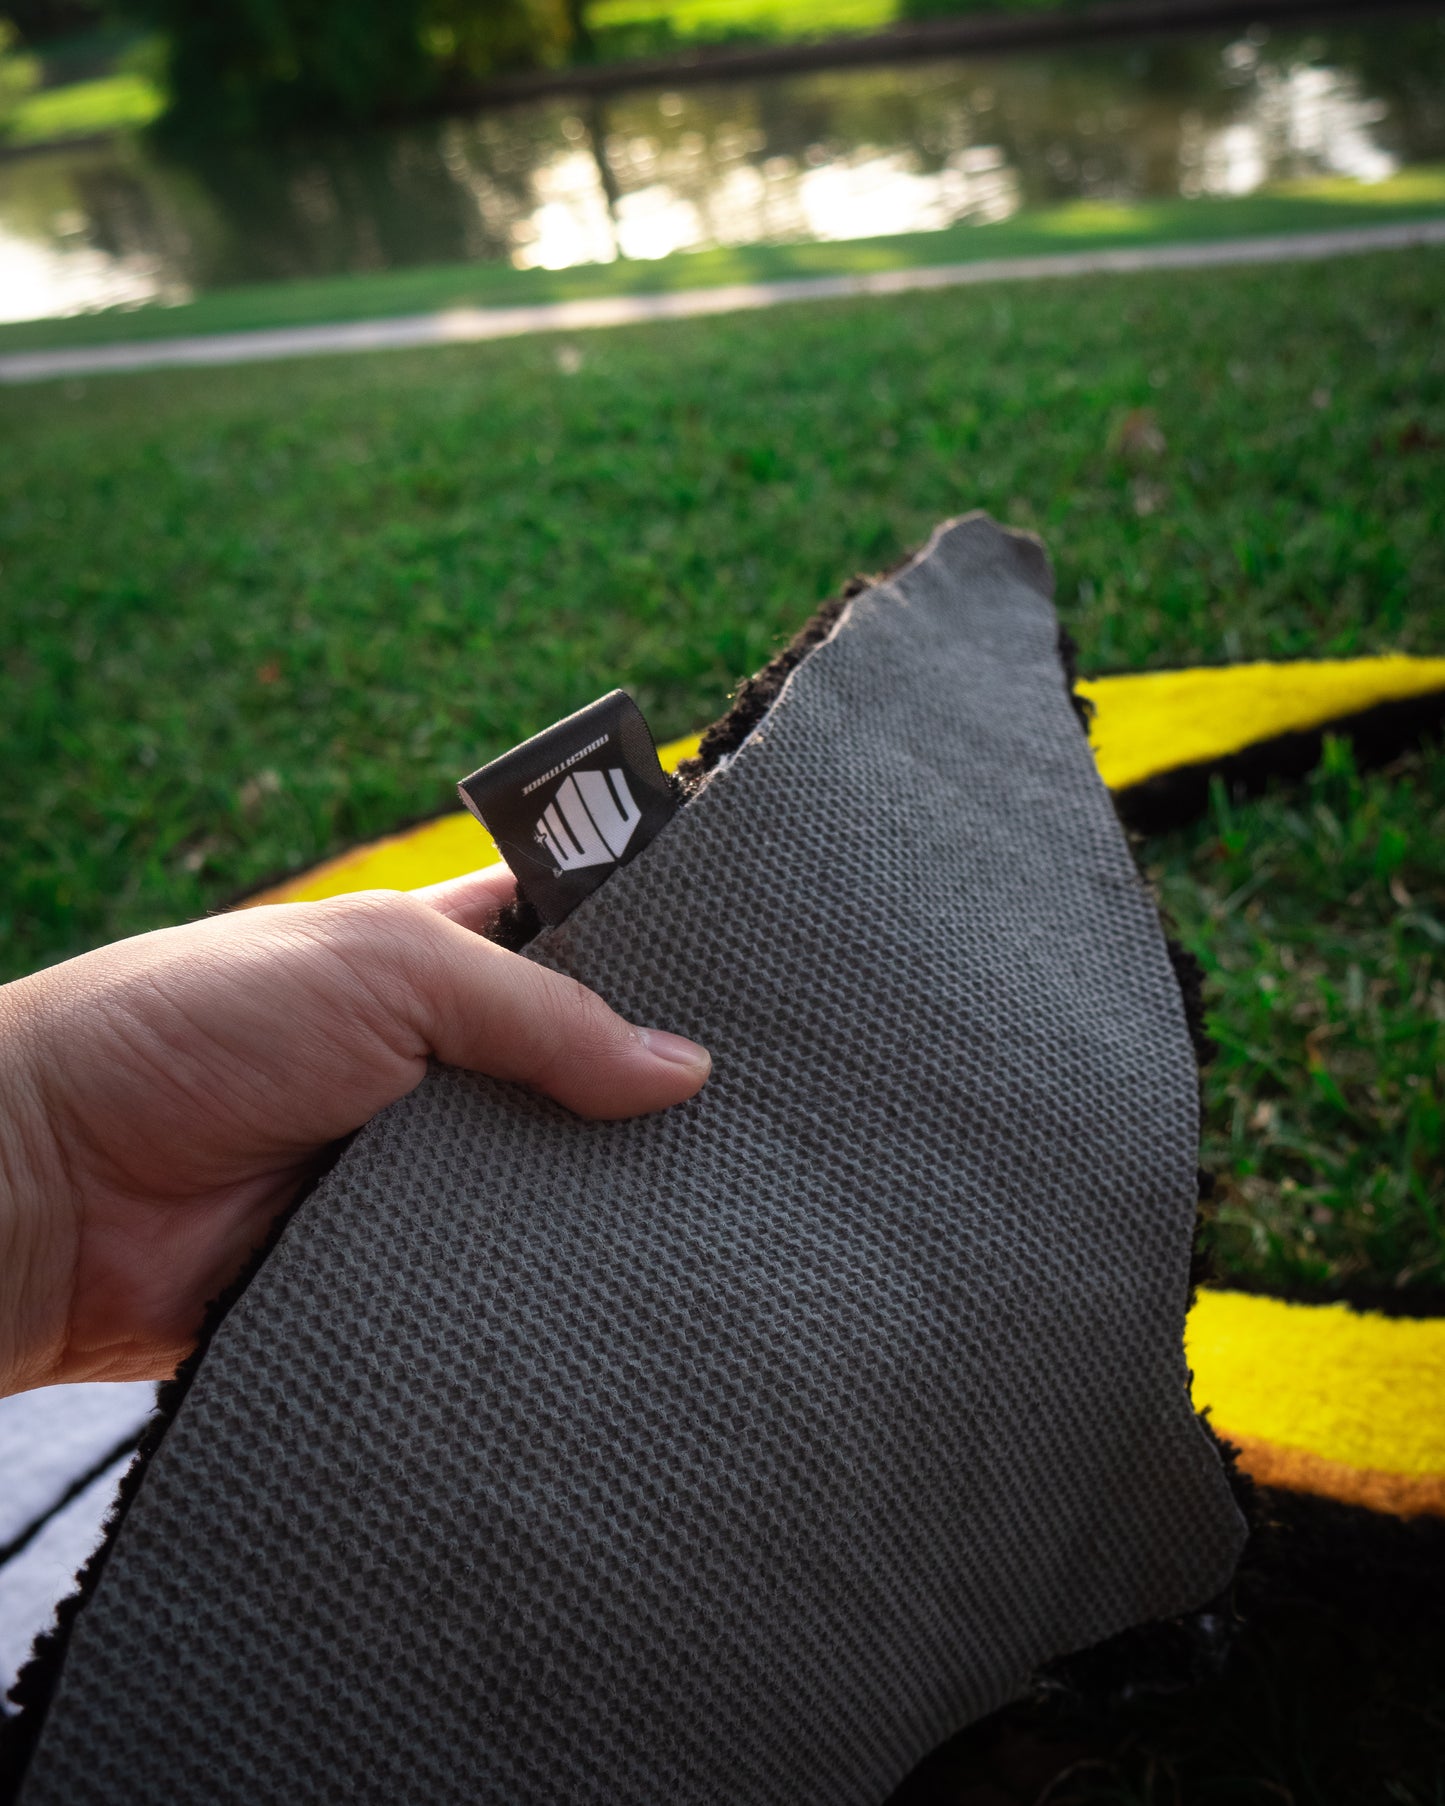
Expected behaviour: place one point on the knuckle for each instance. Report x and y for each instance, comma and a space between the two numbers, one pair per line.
382, 940
369, 912
575, 1026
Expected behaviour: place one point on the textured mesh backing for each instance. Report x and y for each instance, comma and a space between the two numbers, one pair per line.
745, 1453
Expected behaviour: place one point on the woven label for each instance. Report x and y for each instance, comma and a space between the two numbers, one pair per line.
569, 806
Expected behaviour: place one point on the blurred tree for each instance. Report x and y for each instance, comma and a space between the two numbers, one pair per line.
252, 66
477, 38
18, 74
38, 21
583, 45
935, 9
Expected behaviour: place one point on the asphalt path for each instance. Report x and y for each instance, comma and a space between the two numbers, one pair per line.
469, 325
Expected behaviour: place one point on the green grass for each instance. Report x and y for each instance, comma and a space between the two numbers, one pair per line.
1319, 913
1320, 204
107, 103
255, 614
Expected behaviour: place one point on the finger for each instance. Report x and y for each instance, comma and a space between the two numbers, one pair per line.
494, 1012
474, 900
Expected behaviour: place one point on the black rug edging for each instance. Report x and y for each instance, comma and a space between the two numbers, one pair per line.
1420, 1303
1386, 1592
1174, 798
1368, 1566
1385, 1570
22, 1540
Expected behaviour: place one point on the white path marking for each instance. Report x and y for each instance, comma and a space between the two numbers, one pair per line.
465, 325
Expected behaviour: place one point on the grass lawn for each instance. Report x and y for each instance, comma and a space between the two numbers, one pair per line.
1318, 204
253, 615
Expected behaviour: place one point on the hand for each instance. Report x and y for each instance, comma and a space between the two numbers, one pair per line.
163, 1098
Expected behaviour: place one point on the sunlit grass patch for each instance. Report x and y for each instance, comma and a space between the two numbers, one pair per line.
1423, 184
732, 18
109, 103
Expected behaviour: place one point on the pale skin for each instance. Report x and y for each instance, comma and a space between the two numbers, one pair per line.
163, 1098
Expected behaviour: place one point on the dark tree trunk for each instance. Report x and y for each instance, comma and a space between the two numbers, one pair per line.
584, 45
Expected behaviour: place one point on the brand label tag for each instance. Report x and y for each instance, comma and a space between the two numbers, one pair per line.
569, 806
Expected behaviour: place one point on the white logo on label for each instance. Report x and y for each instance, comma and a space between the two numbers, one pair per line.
590, 820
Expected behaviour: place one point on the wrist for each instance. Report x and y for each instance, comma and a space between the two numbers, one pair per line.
37, 1226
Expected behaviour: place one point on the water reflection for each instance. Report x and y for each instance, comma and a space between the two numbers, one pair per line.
835, 155
71, 276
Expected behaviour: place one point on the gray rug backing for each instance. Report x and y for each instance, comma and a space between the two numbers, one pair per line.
745, 1453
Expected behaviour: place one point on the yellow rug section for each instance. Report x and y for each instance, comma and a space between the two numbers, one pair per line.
1144, 724
1156, 721
1324, 1399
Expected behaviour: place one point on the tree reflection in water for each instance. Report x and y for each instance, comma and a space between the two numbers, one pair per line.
836, 154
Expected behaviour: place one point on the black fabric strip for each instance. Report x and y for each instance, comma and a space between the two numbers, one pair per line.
1172, 799
18, 1544
1419, 1301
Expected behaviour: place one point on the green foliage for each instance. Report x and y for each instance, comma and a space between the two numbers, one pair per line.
477, 38
253, 66
19, 74
935, 9
255, 614
626, 28
38, 21
649, 27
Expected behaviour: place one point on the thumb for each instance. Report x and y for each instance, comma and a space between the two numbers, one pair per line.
491, 1011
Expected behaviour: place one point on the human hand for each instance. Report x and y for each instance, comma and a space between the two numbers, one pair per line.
161, 1099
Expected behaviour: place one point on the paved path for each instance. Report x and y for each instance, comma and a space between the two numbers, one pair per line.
463, 325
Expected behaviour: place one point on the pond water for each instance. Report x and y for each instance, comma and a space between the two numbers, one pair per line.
832, 155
